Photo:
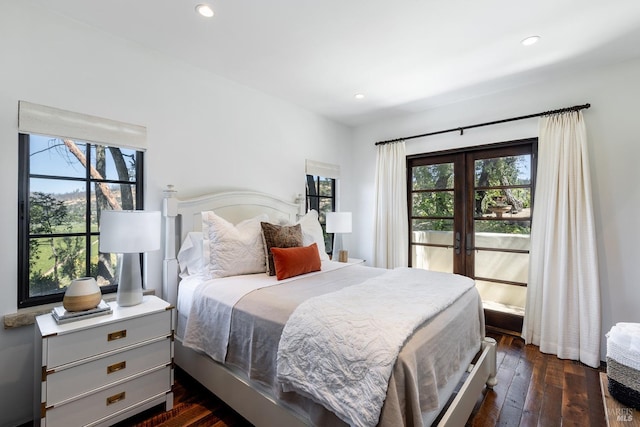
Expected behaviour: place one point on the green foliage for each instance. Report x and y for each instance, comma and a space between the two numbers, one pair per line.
46, 213
433, 197
52, 260
40, 284
505, 227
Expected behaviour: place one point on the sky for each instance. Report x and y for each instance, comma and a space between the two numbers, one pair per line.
48, 156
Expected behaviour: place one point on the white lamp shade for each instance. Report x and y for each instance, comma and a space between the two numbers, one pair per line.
338, 222
129, 231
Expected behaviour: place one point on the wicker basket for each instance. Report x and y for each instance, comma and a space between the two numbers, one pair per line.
623, 363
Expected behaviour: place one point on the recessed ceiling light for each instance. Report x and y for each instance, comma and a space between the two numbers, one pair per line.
359, 96
530, 40
204, 10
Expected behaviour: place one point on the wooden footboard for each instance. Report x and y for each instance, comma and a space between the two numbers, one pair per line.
256, 407
482, 372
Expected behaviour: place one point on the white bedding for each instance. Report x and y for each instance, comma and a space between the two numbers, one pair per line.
429, 365
211, 303
340, 348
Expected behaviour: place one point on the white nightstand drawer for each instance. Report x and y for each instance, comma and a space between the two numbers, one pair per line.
65, 384
68, 348
110, 401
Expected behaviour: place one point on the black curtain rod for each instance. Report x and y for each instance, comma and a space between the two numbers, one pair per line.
462, 128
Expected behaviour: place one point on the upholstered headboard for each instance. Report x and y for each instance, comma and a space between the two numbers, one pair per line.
182, 216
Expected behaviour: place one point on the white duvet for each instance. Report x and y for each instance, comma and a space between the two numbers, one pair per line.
340, 348
209, 321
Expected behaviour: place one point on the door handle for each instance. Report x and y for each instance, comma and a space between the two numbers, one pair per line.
468, 244
457, 243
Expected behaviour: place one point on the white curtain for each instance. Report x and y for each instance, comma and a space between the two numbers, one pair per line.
391, 227
563, 296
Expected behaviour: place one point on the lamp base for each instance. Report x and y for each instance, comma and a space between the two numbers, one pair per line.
343, 256
130, 281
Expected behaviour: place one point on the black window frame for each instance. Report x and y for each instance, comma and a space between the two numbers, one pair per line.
313, 198
24, 235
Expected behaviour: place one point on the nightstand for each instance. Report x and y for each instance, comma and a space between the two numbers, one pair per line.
102, 370
355, 261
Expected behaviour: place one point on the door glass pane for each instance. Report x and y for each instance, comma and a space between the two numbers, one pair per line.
503, 234
435, 203
502, 297
507, 266
432, 258
510, 170
432, 225
431, 177
503, 203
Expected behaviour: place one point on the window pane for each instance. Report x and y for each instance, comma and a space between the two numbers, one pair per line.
50, 156
431, 177
438, 203
56, 213
511, 170
326, 187
104, 266
326, 205
54, 263
432, 258
113, 163
111, 197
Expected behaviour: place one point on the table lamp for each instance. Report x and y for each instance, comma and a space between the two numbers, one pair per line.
129, 233
339, 223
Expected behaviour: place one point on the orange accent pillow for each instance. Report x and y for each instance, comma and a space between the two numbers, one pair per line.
291, 262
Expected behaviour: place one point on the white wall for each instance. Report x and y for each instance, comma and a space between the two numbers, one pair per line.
612, 126
205, 133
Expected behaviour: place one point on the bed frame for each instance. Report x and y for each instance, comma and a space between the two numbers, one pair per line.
259, 408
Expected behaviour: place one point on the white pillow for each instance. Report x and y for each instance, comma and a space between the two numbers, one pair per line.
312, 233
190, 254
230, 250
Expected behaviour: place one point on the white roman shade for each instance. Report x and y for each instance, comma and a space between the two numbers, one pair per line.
325, 170
43, 120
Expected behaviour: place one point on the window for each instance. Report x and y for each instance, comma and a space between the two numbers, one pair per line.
321, 197
64, 185
470, 213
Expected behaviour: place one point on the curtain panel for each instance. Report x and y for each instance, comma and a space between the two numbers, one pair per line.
391, 223
562, 312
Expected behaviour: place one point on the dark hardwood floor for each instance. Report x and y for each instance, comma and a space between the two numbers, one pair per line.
533, 389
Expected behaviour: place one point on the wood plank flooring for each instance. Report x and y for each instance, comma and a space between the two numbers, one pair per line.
533, 389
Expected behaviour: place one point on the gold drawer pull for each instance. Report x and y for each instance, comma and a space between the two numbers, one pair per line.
115, 398
116, 367
117, 335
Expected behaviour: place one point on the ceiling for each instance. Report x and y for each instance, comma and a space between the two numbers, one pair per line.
403, 55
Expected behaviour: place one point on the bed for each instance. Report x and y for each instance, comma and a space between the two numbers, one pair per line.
246, 362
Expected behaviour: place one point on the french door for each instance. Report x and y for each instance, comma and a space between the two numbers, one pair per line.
470, 213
